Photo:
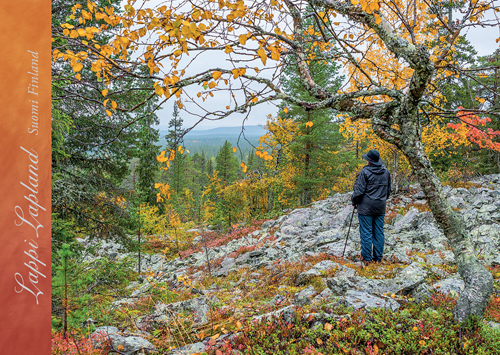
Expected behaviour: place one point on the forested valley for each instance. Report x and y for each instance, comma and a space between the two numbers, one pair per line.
175, 241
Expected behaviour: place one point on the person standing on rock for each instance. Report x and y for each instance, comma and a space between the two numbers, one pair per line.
371, 190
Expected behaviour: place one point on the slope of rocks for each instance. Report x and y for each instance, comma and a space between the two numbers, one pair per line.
412, 239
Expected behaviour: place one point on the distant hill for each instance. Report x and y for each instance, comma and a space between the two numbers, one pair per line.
210, 140
250, 131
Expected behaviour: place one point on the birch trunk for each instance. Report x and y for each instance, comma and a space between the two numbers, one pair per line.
478, 280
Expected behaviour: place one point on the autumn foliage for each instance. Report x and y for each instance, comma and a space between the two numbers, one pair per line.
472, 130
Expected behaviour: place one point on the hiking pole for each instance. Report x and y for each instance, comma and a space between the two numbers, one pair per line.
350, 223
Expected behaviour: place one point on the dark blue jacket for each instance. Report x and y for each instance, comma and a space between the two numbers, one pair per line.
371, 190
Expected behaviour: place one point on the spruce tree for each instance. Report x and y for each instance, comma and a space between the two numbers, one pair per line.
313, 149
174, 138
148, 165
226, 164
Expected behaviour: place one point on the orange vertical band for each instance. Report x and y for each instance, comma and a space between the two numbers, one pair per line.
25, 181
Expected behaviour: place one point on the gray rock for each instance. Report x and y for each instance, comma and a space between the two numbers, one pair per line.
342, 218
337, 248
306, 276
359, 299
278, 299
419, 195
268, 224
297, 218
407, 280
456, 201
325, 265
344, 271
142, 290
339, 285
421, 293
288, 314
128, 345
317, 270
124, 301
305, 296
189, 349
408, 221
452, 286
198, 307
448, 256
496, 262
326, 293
327, 237
398, 255
105, 330
226, 265
434, 259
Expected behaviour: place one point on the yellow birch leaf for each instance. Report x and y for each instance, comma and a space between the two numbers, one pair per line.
234, 148
77, 66
114, 105
242, 39
159, 90
216, 75
262, 54
285, 109
108, 113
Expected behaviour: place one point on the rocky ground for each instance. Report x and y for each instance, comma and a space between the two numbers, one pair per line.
294, 262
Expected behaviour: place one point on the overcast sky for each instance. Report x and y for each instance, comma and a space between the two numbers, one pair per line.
483, 39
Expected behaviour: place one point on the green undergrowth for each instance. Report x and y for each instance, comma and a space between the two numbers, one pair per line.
415, 329
425, 328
